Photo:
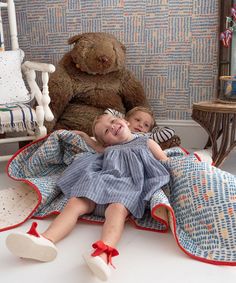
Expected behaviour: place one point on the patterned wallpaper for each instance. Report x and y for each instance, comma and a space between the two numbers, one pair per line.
172, 45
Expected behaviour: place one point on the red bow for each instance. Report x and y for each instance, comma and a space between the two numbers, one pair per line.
32, 231
102, 248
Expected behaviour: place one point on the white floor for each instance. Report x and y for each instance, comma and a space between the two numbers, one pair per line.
144, 256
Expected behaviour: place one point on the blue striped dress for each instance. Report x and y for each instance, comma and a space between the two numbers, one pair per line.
128, 174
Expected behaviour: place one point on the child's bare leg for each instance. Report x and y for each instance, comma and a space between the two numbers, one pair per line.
66, 220
34, 246
115, 216
99, 260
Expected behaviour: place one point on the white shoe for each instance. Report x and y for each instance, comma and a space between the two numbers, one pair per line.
26, 245
98, 266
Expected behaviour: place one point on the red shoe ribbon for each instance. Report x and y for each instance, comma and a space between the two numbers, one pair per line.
33, 231
100, 248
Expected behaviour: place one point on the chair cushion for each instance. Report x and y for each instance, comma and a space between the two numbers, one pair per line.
17, 118
13, 89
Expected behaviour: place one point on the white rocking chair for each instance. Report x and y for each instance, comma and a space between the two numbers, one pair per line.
17, 118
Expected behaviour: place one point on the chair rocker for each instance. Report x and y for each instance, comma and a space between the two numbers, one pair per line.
23, 107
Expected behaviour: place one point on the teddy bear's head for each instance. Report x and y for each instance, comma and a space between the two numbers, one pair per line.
97, 53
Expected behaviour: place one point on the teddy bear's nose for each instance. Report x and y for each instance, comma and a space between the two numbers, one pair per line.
103, 59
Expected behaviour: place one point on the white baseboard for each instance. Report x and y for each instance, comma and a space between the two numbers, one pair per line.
191, 133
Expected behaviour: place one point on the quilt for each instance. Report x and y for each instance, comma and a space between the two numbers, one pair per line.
198, 205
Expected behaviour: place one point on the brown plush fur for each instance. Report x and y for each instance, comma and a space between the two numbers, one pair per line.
89, 79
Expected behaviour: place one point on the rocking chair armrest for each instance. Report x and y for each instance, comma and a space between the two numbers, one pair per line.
42, 96
3, 5
41, 67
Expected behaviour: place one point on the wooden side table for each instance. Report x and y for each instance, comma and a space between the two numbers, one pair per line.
219, 120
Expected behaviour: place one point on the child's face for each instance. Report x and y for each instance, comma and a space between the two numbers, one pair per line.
112, 130
140, 122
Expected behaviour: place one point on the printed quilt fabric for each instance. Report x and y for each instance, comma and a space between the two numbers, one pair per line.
199, 204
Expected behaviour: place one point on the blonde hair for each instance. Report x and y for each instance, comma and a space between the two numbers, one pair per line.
95, 121
142, 109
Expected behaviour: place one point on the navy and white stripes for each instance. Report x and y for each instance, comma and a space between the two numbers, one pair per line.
18, 117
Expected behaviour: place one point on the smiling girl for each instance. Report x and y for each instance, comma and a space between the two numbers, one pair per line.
123, 178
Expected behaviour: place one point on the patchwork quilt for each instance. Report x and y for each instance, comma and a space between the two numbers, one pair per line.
198, 205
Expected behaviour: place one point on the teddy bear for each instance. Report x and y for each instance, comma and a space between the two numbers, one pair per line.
91, 78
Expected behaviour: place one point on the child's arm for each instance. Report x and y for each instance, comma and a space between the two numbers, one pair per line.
91, 142
156, 150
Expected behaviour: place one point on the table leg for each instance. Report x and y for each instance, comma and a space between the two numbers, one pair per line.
221, 130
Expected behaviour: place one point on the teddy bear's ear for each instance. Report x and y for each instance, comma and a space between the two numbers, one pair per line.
74, 38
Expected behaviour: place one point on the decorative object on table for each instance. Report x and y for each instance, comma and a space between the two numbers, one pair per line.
226, 36
227, 93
